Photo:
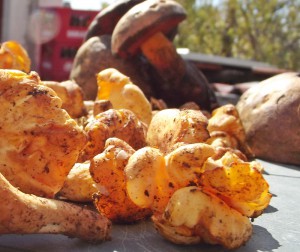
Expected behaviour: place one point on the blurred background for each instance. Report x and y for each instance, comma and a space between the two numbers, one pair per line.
230, 41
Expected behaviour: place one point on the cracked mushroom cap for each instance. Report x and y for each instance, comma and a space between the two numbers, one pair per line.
106, 20
142, 21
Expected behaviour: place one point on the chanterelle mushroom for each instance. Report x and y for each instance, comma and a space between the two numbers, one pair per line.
29, 214
123, 94
39, 141
194, 215
71, 95
14, 56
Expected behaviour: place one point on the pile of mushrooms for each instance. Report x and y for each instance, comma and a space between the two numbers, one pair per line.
136, 37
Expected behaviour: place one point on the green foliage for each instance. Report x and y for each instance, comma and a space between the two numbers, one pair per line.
267, 31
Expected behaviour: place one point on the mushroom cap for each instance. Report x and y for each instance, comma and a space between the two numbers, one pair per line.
270, 114
105, 21
94, 55
142, 21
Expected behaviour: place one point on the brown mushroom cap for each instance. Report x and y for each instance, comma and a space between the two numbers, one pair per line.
105, 21
270, 113
142, 21
94, 55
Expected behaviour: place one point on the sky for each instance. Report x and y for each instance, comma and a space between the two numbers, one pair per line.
86, 4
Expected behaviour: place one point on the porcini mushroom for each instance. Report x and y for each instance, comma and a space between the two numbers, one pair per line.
105, 21
145, 30
95, 55
144, 27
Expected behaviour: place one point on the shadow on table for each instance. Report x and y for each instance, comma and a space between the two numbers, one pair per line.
270, 209
262, 240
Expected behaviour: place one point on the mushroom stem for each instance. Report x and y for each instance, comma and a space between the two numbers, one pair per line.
162, 55
29, 214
